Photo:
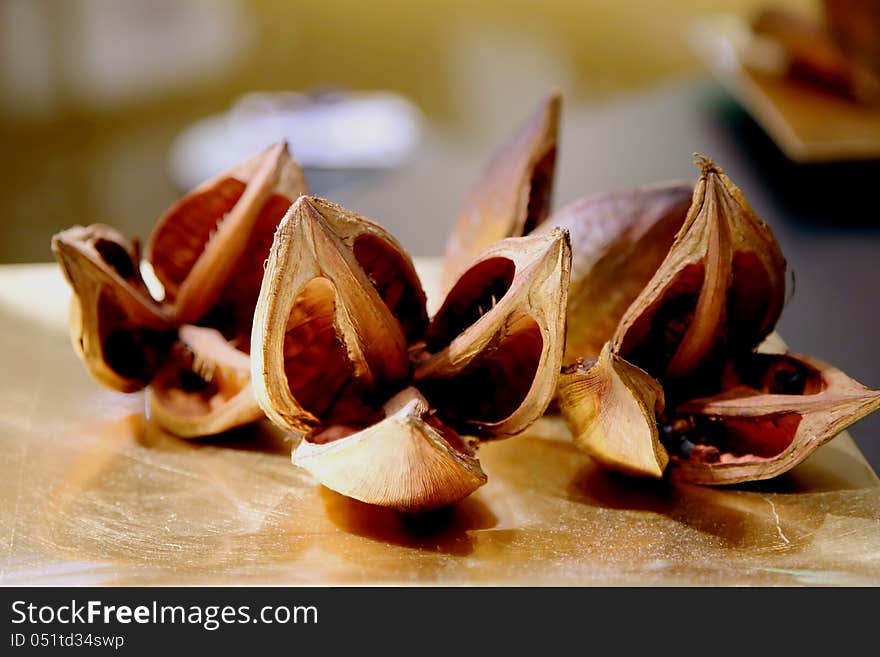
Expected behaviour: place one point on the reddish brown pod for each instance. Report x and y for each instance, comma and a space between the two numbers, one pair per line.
190, 346
390, 410
684, 384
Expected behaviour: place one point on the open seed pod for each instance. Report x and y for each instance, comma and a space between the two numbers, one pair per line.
381, 409
208, 250
409, 460
203, 386
618, 241
717, 294
119, 332
208, 253
500, 330
611, 409
512, 197
772, 412
323, 336
840, 55
711, 400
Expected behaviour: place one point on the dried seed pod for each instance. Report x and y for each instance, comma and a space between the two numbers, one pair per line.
618, 241
208, 253
208, 250
116, 328
611, 409
855, 26
773, 412
513, 194
497, 341
409, 460
717, 294
338, 331
321, 329
203, 386
385, 262
836, 58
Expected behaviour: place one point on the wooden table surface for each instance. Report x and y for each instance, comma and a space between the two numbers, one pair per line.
93, 493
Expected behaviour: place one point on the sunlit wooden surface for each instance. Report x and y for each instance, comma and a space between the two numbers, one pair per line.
92, 493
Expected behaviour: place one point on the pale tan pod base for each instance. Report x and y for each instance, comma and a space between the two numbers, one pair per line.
238, 411
401, 462
213, 353
611, 411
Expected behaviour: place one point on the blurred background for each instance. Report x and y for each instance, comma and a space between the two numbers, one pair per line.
93, 93
109, 109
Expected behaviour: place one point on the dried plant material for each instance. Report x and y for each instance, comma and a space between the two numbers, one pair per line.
337, 337
116, 328
718, 293
855, 27
611, 409
321, 328
695, 377
618, 241
208, 250
773, 412
497, 341
513, 194
203, 387
829, 59
208, 253
409, 460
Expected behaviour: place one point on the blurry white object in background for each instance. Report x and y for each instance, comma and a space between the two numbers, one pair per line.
325, 130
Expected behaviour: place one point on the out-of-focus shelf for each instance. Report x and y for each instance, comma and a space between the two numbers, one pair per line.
93, 493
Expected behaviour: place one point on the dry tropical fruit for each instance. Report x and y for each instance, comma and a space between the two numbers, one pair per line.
771, 413
618, 240
611, 408
618, 237
838, 53
683, 380
191, 346
718, 292
512, 197
390, 410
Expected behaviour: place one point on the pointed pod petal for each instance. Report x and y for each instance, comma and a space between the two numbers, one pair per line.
611, 409
718, 293
208, 249
496, 343
116, 328
618, 240
513, 194
203, 388
319, 324
774, 411
384, 261
408, 461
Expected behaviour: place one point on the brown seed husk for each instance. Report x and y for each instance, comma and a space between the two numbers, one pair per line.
773, 412
203, 387
117, 330
718, 293
619, 239
208, 253
409, 460
611, 409
513, 194
496, 344
321, 328
341, 358
208, 250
